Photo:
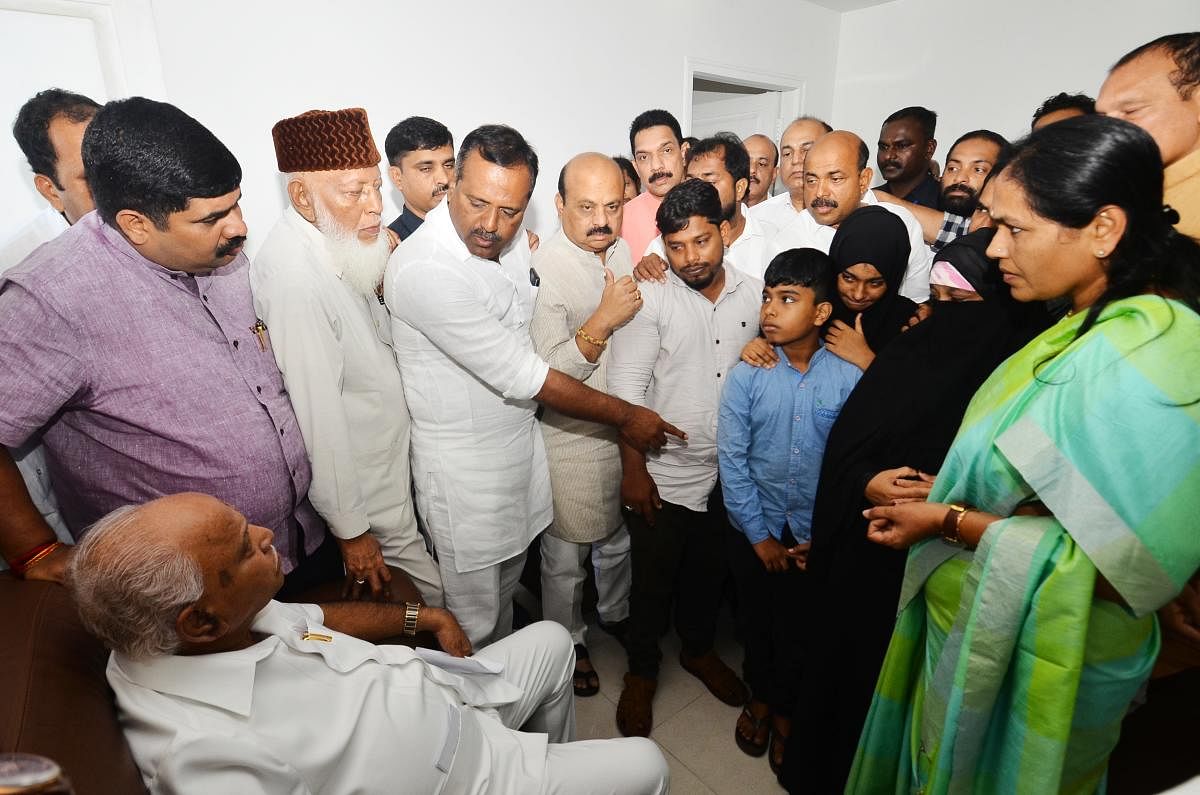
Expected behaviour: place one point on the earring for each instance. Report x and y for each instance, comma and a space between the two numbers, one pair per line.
1101, 253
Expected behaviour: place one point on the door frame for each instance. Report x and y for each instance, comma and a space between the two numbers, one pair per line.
793, 87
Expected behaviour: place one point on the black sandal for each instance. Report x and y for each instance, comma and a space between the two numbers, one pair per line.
585, 683
753, 746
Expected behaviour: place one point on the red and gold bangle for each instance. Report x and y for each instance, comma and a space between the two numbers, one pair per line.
33, 557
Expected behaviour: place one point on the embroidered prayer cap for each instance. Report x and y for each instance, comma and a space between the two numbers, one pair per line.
325, 140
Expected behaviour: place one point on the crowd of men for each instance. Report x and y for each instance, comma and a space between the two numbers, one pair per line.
382, 418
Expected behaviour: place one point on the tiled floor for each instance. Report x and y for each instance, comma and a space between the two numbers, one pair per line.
694, 730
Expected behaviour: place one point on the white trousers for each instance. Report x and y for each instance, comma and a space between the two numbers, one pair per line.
481, 600
563, 575
539, 659
409, 554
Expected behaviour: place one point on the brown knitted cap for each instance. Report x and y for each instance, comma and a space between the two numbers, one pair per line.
325, 140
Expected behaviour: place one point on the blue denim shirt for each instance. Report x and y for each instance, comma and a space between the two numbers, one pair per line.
771, 439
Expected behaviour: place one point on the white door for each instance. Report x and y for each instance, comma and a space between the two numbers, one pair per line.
104, 49
742, 114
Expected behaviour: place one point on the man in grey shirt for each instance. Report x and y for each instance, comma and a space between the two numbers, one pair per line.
675, 354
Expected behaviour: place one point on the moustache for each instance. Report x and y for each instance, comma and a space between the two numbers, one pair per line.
439, 190
890, 164
483, 234
822, 202
754, 180
600, 230
659, 176
230, 246
965, 190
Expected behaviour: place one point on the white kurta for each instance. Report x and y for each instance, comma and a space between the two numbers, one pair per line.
804, 232
585, 463
31, 459
460, 326
333, 346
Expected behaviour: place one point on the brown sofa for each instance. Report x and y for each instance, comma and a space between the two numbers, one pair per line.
57, 701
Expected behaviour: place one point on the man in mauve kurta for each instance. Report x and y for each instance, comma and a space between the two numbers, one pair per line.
131, 343
586, 293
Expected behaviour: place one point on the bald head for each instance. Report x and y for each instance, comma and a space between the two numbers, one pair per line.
836, 176
184, 571
798, 137
591, 190
764, 162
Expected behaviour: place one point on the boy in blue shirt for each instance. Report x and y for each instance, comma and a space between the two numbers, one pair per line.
770, 440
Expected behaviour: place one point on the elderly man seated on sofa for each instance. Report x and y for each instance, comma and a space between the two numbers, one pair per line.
223, 689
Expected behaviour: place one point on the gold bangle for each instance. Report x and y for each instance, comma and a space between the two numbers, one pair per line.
411, 609
583, 335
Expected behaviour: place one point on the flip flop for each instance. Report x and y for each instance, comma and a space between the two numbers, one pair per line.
753, 747
778, 749
585, 683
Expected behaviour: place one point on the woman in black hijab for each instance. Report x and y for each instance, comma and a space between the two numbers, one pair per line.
870, 254
895, 427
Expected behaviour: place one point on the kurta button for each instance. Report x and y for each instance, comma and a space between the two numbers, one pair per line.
259, 388
235, 343
205, 299
281, 431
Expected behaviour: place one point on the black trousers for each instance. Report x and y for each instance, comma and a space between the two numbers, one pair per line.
770, 613
680, 559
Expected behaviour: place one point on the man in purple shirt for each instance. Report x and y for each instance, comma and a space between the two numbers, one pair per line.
130, 343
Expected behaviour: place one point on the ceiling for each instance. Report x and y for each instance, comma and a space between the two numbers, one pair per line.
849, 5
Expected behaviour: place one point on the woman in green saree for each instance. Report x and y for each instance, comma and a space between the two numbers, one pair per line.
1068, 508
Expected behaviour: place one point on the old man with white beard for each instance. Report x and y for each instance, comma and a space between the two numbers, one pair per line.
315, 284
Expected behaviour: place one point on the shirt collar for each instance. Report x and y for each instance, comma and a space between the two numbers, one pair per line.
224, 680
1182, 170
819, 354
120, 245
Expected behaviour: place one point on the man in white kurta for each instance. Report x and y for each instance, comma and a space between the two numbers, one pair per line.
223, 690
314, 288
461, 292
586, 293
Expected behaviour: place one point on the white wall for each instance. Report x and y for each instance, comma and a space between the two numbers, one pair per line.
986, 64
570, 77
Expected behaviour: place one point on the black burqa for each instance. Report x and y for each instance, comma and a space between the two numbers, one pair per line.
904, 412
877, 237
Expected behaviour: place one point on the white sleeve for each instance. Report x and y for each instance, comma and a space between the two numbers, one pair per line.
554, 338
633, 351
212, 764
309, 354
920, 260
442, 304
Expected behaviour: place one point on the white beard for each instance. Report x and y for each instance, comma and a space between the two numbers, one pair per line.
362, 264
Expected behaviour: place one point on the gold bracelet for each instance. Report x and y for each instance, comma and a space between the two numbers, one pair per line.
583, 335
952, 523
19, 568
411, 609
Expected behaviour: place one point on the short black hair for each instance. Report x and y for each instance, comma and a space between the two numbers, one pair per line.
413, 134
1065, 101
864, 154
654, 118
627, 166
803, 267
1184, 49
687, 199
32, 126
151, 157
925, 118
731, 150
502, 145
987, 135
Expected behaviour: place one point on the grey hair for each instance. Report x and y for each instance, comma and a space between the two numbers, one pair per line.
129, 592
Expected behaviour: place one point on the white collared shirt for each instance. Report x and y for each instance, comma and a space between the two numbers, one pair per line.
334, 715
673, 357
460, 328
805, 232
775, 213
333, 346
747, 253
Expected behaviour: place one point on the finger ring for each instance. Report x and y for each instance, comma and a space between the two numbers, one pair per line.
359, 582
637, 296
628, 507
